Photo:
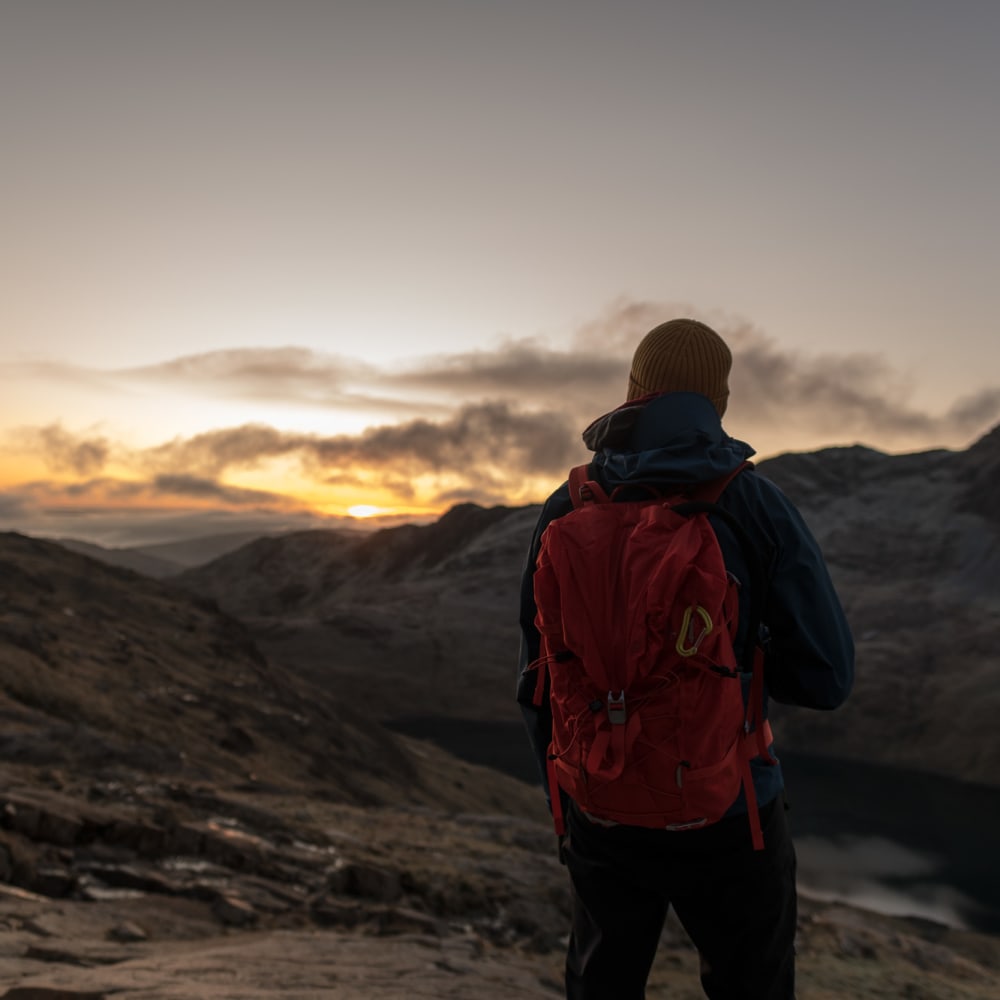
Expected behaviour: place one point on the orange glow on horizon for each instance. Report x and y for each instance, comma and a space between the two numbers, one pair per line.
363, 510
128, 483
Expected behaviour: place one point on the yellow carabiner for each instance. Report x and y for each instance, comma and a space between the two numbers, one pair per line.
687, 631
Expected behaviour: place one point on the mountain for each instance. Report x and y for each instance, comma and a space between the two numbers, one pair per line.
406, 620
913, 543
422, 620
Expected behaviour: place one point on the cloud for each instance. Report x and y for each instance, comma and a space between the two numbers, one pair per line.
104, 492
295, 376
498, 425
213, 452
196, 488
16, 372
263, 367
775, 391
475, 436
976, 410
105, 487
524, 371
773, 388
63, 451
494, 433
858, 394
486, 451
517, 369
770, 384
283, 374
538, 398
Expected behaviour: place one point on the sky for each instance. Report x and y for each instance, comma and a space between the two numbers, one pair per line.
266, 263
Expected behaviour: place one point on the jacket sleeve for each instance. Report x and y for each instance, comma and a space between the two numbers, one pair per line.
810, 650
537, 718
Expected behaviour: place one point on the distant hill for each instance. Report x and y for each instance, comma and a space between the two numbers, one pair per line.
195, 551
165, 558
423, 620
134, 559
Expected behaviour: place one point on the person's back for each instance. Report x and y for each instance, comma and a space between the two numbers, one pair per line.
738, 904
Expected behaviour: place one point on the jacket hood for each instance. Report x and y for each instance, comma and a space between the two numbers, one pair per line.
675, 438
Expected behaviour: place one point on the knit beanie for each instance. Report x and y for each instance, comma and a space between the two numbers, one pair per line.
682, 355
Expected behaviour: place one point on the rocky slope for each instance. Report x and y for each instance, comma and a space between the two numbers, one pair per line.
123, 675
913, 543
414, 619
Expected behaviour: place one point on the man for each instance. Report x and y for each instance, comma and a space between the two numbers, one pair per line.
737, 904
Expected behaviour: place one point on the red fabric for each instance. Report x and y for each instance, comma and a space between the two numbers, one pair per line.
616, 585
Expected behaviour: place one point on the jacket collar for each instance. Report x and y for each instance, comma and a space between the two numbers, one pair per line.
670, 438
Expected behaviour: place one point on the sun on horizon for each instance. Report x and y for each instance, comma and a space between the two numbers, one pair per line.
363, 510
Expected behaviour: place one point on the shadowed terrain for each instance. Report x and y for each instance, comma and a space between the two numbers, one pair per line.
199, 799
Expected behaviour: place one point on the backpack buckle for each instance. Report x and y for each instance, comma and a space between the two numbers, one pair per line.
616, 708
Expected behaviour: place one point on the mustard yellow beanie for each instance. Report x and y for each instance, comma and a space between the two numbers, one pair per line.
682, 355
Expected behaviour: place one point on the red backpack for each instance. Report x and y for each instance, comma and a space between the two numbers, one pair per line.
637, 616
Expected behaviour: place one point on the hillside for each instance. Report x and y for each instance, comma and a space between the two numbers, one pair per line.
408, 619
119, 674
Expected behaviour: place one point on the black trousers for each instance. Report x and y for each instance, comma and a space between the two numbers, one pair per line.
737, 905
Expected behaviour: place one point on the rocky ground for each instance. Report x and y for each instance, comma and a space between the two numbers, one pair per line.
172, 891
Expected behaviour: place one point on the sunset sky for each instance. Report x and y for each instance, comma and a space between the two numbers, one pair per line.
264, 262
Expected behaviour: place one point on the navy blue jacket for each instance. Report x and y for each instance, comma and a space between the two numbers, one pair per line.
676, 440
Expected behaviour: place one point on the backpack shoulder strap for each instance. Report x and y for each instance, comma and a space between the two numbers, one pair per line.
711, 491
584, 489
